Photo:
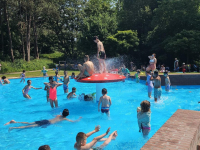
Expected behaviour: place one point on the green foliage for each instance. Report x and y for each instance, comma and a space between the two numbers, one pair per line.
20, 65
52, 55
122, 43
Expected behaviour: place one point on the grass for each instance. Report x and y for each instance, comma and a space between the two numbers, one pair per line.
51, 72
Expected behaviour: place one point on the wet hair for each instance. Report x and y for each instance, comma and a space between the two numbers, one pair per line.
24, 71
95, 37
56, 73
73, 73
156, 72
28, 81
50, 78
44, 147
145, 106
73, 89
138, 71
4, 77
80, 136
86, 97
104, 91
166, 73
65, 113
154, 54
86, 57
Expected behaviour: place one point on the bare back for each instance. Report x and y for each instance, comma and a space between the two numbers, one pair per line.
58, 118
66, 80
89, 66
105, 100
100, 46
157, 82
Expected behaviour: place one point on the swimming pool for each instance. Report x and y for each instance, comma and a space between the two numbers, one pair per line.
125, 96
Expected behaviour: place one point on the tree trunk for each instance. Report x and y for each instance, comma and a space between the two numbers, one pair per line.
2, 40
9, 33
28, 37
35, 39
23, 50
21, 31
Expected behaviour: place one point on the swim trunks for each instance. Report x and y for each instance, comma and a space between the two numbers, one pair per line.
42, 122
104, 109
86, 73
44, 74
167, 87
149, 128
137, 80
65, 87
157, 92
102, 55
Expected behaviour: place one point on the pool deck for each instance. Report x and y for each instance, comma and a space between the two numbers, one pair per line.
179, 79
180, 132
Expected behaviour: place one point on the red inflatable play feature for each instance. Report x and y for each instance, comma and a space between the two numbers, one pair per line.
103, 78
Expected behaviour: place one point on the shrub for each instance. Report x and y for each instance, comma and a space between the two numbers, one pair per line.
20, 65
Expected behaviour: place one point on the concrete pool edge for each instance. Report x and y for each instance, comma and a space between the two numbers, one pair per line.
181, 131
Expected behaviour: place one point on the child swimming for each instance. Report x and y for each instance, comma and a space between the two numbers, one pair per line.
73, 75
149, 84
26, 89
167, 81
72, 94
87, 97
23, 76
137, 76
5, 80
53, 91
105, 102
144, 117
45, 122
157, 85
66, 82
81, 140
44, 71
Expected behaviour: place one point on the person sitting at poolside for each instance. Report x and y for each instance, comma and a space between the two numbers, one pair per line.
144, 117
162, 69
81, 139
26, 89
66, 82
87, 69
44, 147
53, 91
73, 75
105, 102
5, 80
45, 122
157, 85
23, 76
72, 94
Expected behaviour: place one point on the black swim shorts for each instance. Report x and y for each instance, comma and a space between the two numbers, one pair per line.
42, 122
102, 55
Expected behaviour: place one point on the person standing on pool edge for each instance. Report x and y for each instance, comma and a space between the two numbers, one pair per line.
157, 85
106, 102
101, 55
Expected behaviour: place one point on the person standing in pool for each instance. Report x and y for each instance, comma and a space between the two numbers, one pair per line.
86, 70
105, 102
26, 89
152, 62
5, 80
144, 117
149, 84
167, 81
23, 76
101, 55
66, 82
45, 122
157, 85
53, 91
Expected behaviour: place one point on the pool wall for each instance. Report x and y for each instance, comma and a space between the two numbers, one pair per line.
180, 132
184, 79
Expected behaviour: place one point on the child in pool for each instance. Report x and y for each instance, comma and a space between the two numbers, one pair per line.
53, 91
137, 76
73, 75
144, 117
44, 71
167, 81
46, 88
26, 89
5, 80
157, 85
72, 94
45, 122
105, 102
56, 77
66, 82
81, 140
23, 76
87, 97
44, 147
149, 84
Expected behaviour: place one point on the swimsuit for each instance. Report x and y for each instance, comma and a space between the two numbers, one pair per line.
86, 73
150, 84
149, 128
52, 93
157, 92
167, 87
65, 87
26, 91
102, 55
104, 109
22, 76
42, 122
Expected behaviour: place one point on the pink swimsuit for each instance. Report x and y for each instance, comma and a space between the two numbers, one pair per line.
52, 93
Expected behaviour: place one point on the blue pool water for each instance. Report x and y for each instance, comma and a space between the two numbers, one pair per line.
125, 96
